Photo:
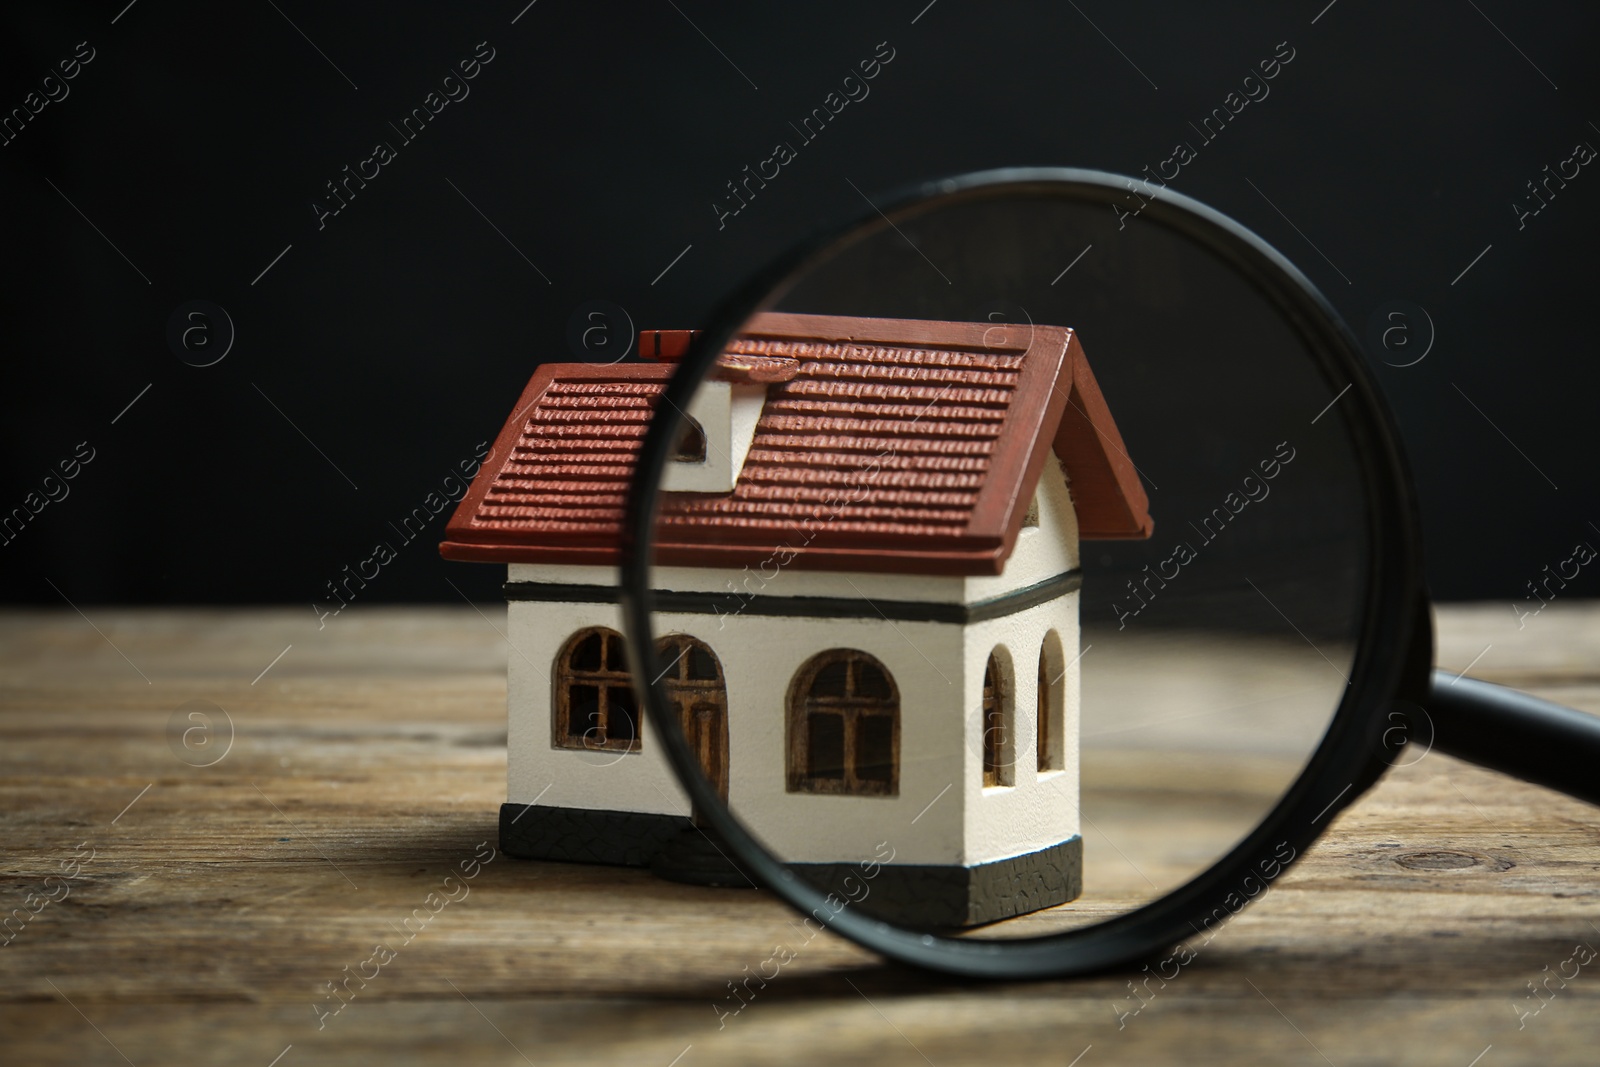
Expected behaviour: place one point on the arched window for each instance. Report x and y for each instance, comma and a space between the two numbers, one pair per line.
844, 726
594, 705
1050, 730
998, 763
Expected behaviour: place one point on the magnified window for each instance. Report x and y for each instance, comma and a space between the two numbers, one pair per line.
691, 444
696, 689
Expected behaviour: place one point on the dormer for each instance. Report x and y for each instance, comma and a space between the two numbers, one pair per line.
715, 438
720, 424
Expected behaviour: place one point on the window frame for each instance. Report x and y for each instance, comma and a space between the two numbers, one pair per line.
801, 704
1050, 711
605, 678
997, 721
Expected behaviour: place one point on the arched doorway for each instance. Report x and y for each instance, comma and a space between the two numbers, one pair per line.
695, 686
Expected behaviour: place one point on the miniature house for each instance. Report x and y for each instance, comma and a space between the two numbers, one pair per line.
867, 581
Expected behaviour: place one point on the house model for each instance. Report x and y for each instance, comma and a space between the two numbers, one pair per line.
867, 574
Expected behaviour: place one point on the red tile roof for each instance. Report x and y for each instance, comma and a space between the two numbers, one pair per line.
888, 445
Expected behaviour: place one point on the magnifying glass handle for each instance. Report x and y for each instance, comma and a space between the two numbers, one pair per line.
1520, 735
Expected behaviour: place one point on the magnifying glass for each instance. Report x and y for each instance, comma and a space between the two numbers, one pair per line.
1016, 582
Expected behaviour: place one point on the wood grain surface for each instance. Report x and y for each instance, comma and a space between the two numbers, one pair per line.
367, 764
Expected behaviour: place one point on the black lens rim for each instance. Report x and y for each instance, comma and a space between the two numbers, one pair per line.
1348, 759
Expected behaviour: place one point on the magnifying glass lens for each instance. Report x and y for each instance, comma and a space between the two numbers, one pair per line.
1008, 566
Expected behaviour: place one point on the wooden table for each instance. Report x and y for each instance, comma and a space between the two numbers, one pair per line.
367, 764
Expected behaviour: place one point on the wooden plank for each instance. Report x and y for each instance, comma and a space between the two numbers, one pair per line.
368, 764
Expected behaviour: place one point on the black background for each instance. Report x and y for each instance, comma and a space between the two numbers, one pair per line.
381, 349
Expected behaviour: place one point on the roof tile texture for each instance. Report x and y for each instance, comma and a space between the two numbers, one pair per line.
877, 452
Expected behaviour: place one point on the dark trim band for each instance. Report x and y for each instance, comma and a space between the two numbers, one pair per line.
812, 607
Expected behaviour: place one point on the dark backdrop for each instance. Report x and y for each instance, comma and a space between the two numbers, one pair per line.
377, 347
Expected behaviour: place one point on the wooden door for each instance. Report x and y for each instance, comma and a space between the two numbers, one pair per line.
694, 683
705, 725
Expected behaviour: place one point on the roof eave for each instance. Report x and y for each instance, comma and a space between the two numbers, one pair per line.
1106, 489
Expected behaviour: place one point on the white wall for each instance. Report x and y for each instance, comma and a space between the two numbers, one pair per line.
760, 656
1041, 808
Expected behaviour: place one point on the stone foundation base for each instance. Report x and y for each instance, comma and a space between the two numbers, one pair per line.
572, 835
934, 896
919, 895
